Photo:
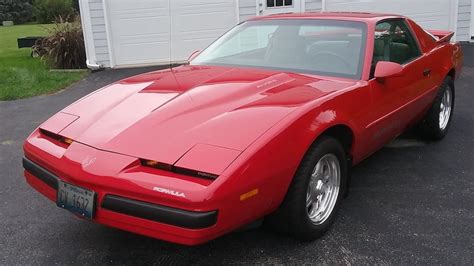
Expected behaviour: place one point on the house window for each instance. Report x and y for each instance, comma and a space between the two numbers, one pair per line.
279, 3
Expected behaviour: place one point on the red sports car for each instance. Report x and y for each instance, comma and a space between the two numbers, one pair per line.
264, 123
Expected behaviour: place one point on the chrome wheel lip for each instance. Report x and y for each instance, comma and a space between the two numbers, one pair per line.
323, 189
445, 108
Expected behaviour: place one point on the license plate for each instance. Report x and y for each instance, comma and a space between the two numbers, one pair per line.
76, 199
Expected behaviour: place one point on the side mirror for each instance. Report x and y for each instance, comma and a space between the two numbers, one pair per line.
385, 69
193, 55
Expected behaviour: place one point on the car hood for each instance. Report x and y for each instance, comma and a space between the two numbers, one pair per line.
164, 114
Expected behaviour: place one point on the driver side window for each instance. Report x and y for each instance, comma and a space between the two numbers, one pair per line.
394, 42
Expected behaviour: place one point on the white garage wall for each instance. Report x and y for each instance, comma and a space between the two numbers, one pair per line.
139, 31
464, 20
98, 39
95, 34
113, 27
99, 32
247, 9
431, 14
313, 5
196, 24
428, 13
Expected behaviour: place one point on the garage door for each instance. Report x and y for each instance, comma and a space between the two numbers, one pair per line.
196, 23
428, 13
145, 32
139, 31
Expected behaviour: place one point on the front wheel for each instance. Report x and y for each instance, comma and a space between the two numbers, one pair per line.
435, 124
315, 193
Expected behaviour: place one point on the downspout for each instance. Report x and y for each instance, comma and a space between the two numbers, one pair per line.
93, 66
88, 37
455, 14
471, 24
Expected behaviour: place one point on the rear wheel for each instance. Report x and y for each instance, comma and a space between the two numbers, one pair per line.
315, 193
436, 122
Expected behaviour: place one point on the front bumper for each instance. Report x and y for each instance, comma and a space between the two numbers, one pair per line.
135, 208
120, 211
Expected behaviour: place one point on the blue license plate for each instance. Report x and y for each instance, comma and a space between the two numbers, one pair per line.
76, 199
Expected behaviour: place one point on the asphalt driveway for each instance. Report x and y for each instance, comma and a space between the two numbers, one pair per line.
411, 202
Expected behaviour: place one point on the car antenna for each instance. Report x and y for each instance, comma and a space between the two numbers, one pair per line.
170, 62
171, 37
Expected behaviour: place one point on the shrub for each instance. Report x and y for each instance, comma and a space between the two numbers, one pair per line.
64, 46
46, 11
18, 11
75, 5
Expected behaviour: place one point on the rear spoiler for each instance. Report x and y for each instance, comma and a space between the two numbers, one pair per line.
441, 36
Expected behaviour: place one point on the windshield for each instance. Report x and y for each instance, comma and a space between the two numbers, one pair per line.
324, 47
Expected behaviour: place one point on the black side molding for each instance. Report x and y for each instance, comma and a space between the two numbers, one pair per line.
41, 173
159, 213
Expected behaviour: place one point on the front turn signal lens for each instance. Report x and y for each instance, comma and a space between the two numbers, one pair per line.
249, 194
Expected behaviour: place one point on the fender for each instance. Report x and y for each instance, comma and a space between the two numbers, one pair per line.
274, 185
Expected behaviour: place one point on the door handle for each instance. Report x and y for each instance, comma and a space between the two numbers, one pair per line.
426, 72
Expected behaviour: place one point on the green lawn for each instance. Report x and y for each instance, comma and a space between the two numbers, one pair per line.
22, 76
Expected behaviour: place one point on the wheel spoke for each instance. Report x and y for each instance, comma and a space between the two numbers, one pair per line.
309, 202
317, 170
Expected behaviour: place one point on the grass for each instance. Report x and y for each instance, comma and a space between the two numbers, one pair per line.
21, 75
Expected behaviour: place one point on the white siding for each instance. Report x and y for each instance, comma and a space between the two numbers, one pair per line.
464, 20
98, 32
313, 5
428, 13
139, 31
247, 9
191, 31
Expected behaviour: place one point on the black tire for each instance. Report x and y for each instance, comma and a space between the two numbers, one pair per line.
292, 217
429, 127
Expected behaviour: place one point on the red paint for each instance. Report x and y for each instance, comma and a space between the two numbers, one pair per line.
249, 126
386, 69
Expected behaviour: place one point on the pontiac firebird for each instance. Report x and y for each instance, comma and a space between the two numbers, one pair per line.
265, 123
